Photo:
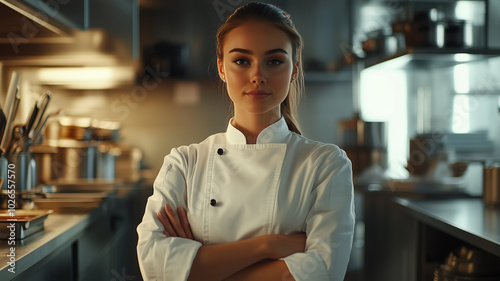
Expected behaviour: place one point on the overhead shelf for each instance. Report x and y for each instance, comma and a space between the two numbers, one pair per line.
344, 75
430, 58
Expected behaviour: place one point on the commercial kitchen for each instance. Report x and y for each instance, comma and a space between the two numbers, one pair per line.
95, 93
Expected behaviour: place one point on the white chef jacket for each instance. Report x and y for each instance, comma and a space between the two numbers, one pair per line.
283, 184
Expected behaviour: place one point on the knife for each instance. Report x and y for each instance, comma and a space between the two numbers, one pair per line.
10, 118
42, 107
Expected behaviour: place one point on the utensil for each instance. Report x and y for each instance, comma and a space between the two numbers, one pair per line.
32, 117
11, 92
3, 122
17, 137
15, 105
42, 107
26, 142
39, 129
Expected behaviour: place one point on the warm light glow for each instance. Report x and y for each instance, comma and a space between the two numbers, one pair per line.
85, 77
461, 78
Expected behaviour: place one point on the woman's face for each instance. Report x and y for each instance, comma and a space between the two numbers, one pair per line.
257, 67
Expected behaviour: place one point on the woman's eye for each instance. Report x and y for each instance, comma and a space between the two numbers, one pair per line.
241, 62
275, 62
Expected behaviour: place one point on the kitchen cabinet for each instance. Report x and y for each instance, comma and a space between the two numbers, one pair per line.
478, 42
447, 225
392, 241
73, 14
68, 33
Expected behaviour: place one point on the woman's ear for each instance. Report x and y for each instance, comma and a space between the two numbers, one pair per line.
220, 68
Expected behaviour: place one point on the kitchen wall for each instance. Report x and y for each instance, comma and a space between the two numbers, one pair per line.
186, 110
183, 112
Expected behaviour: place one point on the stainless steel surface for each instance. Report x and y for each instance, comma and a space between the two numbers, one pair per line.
74, 196
80, 186
470, 220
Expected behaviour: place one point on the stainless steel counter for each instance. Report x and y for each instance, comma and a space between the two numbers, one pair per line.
61, 231
469, 219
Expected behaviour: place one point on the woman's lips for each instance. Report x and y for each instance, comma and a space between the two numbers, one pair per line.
257, 94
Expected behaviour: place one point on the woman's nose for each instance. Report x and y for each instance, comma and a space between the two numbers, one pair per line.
257, 75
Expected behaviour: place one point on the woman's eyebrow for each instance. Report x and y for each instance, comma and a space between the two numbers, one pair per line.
249, 52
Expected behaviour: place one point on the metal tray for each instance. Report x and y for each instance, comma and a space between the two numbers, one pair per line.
20, 224
68, 204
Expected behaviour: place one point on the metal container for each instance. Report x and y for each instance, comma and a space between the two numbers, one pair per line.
106, 155
128, 164
456, 34
22, 169
73, 160
44, 156
426, 34
27, 222
364, 142
491, 184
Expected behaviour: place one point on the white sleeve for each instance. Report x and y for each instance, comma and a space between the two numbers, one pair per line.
329, 226
161, 257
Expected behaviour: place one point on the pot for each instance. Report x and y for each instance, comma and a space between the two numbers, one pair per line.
364, 142
458, 34
106, 155
73, 160
426, 34
20, 165
44, 157
128, 164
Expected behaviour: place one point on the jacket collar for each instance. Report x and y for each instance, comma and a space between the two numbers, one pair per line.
273, 133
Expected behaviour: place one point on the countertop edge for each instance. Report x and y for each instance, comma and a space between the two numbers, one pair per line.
67, 236
46, 249
449, 227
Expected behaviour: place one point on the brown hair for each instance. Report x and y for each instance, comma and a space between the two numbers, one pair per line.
272, 14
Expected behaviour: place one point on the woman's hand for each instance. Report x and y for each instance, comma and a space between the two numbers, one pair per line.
175, 226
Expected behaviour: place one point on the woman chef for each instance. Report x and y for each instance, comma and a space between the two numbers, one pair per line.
260, 201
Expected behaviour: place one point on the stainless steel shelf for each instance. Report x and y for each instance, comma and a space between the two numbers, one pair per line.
430, 58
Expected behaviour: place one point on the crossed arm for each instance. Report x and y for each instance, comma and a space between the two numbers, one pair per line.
241, 260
